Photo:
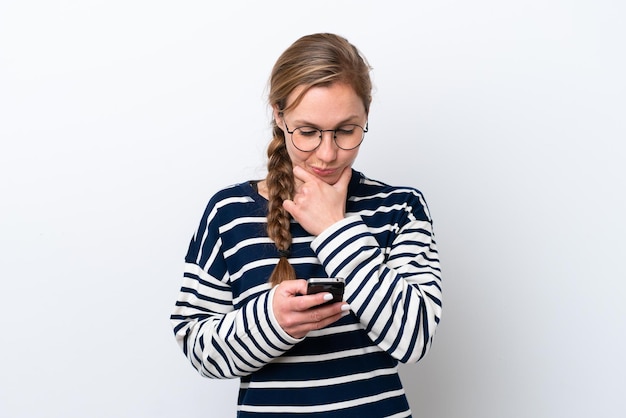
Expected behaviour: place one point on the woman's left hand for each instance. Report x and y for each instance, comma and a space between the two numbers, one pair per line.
316, 204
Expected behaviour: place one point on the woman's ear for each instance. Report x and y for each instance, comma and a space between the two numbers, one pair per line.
278, 116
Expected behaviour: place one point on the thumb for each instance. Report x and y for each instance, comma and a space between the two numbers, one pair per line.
344, 179
289, 206
293, 287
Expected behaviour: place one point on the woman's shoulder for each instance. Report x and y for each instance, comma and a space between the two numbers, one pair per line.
364, 185
381, 194
236, 198
242, 190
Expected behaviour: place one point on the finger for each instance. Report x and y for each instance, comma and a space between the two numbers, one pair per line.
331, 319
289, 206
318, 318
326, 315
302, 174
344, 179
297, 291
309, 302
291, 288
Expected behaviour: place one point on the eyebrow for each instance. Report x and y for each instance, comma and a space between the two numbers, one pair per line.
349, 120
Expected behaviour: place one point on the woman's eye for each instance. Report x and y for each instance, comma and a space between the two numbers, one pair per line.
308, 132
345, 130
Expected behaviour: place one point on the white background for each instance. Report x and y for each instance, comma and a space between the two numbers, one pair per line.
119, 119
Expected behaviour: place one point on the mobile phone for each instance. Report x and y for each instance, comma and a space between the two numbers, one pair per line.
334, 285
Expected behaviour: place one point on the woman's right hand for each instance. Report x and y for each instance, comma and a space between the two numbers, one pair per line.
298, 313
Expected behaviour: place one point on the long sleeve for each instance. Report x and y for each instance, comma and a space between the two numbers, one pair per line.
394, 291
221, 344
220, 340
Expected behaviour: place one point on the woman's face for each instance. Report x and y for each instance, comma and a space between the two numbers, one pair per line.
323, 108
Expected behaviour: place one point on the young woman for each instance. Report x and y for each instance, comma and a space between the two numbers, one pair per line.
243, 310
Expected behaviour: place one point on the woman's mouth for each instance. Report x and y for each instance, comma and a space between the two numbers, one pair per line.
323, 172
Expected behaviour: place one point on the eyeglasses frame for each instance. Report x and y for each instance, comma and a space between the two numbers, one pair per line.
321, 137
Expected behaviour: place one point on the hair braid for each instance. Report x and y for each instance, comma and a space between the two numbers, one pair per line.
280, 186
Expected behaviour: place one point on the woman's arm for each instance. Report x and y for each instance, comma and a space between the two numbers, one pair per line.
397, 297
219, 341
396, 294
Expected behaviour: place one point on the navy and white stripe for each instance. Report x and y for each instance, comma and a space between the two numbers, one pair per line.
386, 251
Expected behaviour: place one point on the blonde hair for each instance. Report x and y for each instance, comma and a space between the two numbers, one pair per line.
312, 61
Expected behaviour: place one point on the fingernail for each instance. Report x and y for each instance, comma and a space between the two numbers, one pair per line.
345, 307
328, 296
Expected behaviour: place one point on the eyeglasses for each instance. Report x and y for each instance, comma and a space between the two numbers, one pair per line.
308, 138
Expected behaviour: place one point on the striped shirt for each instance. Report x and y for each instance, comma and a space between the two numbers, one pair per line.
384, 248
